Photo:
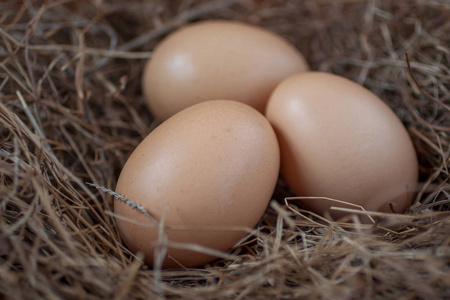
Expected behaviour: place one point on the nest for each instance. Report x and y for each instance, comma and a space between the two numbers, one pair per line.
71, 112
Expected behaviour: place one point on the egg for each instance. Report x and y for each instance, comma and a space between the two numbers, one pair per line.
338, 140
212, 165
217, 60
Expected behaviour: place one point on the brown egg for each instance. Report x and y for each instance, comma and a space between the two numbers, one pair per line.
339, 140
214, 164
217, 60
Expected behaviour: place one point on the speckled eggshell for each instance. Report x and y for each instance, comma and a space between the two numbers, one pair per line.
214, 164
339, 140
217, 60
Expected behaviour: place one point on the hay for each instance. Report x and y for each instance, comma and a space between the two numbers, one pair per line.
71, 111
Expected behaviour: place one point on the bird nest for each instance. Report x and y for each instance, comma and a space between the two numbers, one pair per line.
71, 112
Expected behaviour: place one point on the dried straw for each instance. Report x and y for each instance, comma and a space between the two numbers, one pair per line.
71, 112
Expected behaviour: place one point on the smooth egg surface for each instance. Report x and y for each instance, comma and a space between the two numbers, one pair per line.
339, 140
212, 165
217, 60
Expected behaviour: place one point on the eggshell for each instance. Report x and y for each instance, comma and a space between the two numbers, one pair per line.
217, 60
339, 140
214, 164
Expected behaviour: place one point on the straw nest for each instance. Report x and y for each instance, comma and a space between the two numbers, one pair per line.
71, 112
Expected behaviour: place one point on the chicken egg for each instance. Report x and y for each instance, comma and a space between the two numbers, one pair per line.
338, 140
217, 60
212, 165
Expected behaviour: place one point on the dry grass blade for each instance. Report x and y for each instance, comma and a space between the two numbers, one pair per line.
71, 111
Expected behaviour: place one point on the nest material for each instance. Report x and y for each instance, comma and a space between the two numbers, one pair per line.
71, 111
